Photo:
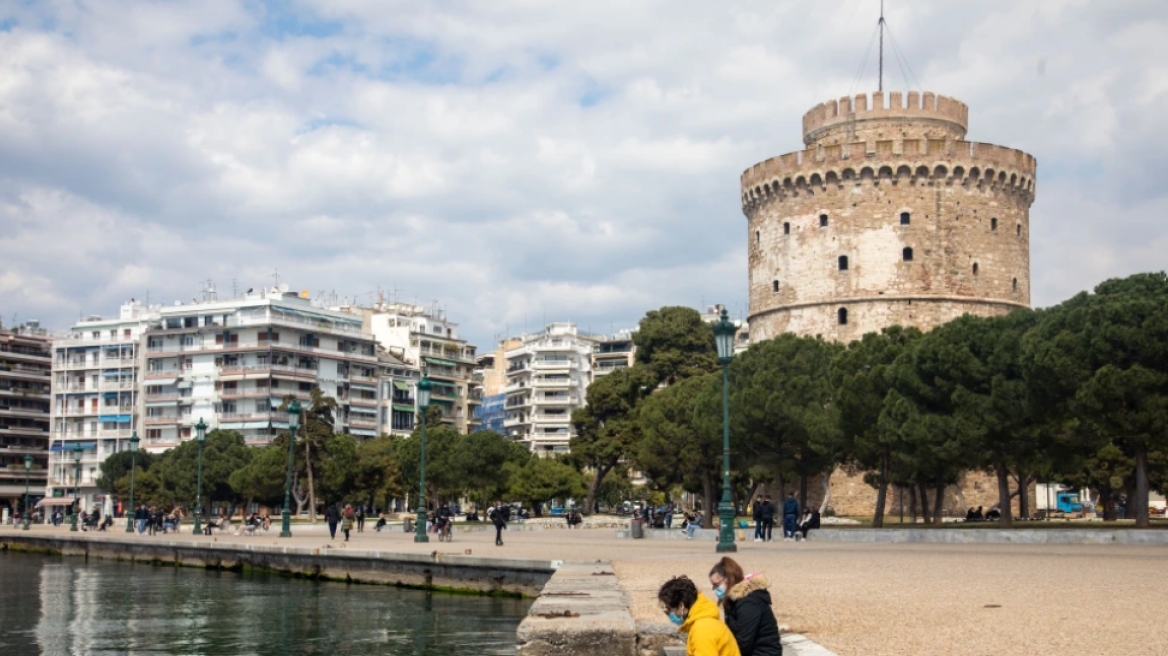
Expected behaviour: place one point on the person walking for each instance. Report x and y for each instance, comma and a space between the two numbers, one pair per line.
669, 515
767, 511
347, 521
697, 616
360, 519
790, 516
498, 517
756, 514
332, 516
746, 603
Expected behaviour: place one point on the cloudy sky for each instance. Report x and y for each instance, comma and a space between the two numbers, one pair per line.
516, 160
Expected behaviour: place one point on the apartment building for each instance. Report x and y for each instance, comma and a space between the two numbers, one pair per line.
421, 336
399, 406
610, 354
96, 404
547, 377
26, 361
233, 363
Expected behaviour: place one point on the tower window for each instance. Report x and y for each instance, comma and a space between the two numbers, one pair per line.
907, 254
1015, 283
994, 224
843, 262
822, 220
904, 218
975, 268
842, 315
1019, 229
787, 228
757, 237
775, 285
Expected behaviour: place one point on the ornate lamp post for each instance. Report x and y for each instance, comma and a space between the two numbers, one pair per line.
424, 387
724, 338
293, 427
27, 469
201, 433
76, 485
133, 466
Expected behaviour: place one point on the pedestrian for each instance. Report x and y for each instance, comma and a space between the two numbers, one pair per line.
810, 521
361, 519
332, 516
767, 511
691, 524
790, 516
347, 521
498, 517
697, 616
746, 603
669, 515
140, 518
756, 515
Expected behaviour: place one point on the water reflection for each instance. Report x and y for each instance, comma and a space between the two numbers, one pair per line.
65, 606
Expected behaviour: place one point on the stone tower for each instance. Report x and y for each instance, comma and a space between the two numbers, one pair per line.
887, 217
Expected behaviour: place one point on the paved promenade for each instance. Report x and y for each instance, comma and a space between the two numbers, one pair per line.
871, 599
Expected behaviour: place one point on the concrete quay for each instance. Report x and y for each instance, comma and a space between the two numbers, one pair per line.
943, 535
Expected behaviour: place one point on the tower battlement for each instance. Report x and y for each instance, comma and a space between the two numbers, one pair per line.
926, 115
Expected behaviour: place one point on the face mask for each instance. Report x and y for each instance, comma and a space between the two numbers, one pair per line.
675, 619
720, 591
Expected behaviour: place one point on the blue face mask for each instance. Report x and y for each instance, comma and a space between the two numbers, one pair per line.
675, 619
720, 592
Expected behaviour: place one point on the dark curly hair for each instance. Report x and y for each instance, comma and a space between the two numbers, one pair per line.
678, 591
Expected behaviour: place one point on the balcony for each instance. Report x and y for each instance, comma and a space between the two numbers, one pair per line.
166, 372
118, 385
363, 379
559, 420
25, 373
77, 364
245, 393
555, 400
161, 421
563, 382
554, 364
257, 415
46, 358
22, 412
78, 412
22, 392
356, 422
513, 423
364, 403
119, 362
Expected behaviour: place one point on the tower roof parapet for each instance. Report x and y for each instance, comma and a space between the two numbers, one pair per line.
849, 115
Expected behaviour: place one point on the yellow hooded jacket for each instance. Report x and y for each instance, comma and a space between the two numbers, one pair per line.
708, 636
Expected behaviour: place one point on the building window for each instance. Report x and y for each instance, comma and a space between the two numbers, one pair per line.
843, 262
904, 218
757, 237
842, 314
1015, 284
1019, 229
822, 220
975, 268
787, 228
775, 285
907, 254
994, 224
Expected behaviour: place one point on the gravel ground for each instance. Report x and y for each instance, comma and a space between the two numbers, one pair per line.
874, 599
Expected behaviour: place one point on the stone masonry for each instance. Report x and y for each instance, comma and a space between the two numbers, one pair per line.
888, 217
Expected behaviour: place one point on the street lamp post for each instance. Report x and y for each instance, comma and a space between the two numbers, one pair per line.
293, 427
133, 466
27, 469
76, 485
724, 332
424, 387
201, 433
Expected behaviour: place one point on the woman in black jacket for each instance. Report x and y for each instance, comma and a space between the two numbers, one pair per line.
747, 607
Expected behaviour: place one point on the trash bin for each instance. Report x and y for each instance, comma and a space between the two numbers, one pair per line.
638, 528
408, 525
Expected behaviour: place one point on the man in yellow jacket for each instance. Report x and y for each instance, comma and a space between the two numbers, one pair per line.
697, 616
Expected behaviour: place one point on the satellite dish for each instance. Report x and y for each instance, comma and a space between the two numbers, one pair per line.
284, 288
178, 302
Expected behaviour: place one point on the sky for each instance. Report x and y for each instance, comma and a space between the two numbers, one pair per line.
517, 161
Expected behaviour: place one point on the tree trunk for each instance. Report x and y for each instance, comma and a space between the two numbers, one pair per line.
924, 492
1023, 495
881, 492
780, 494
708, 500
298, 494
939, 503
590, 501
912, 502
826, 492
1004, 496
803, 490
1140, 500
311, 488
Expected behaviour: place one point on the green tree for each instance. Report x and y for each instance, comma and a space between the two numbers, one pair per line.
339, 469
118, 465
377, 477
148, 489
615, 488
674, 343
480, 461
859, 378
541, 480
224, 452
262, 479
442, 476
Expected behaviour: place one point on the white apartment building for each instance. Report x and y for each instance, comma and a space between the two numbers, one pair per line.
96, 396
546, 380
422, 337
612, 353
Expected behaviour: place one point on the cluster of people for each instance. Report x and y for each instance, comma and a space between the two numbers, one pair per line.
992, 515
348, 518
740, 624
574, 519
151, 520
794, 527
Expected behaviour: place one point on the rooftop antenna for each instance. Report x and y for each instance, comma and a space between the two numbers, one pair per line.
881, 25
276, 278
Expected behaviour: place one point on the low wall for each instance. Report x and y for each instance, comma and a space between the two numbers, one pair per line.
582, 611
513, 576
945, 535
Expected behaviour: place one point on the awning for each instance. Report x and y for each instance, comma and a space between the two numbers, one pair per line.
55, 502
111, 374
252, 424
363, 431
442, 401
125, 419
184, 384
363, 411
364, 386
161, 404
69, 446
111, 418
404, 408
110, 395
160, 381
440, 361
403, 386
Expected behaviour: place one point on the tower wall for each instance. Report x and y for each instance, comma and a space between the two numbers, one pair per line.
895, 116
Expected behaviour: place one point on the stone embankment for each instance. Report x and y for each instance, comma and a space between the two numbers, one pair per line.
944, 536
465, 573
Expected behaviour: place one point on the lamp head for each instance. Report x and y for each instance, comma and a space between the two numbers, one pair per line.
294, 416
201, 430
424, 387
134, 442
27, 462
724, 331
77, 453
